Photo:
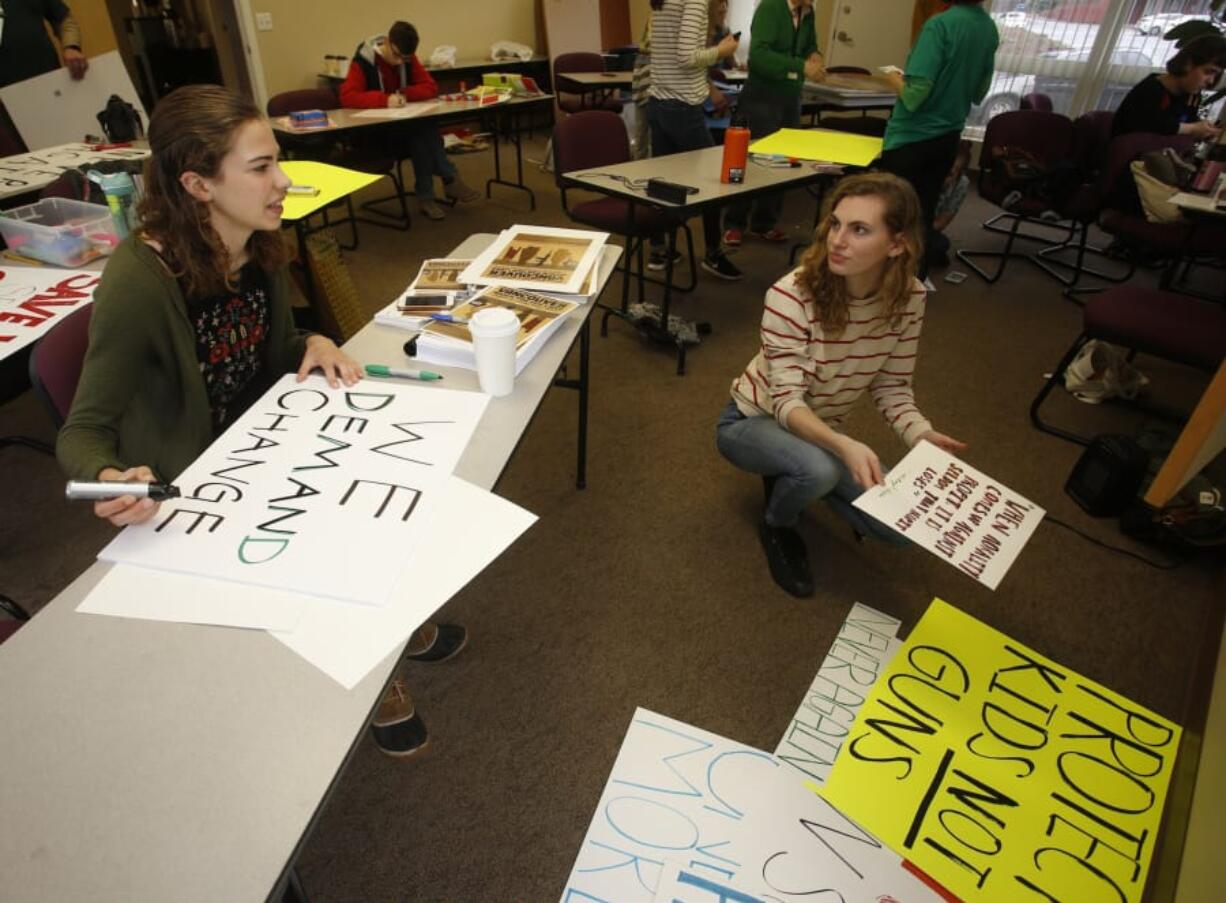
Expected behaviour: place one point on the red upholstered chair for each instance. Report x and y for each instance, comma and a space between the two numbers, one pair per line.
588, 100
55, 363
1165, 324
589, 140
1049, 137
326, 149
1036, 101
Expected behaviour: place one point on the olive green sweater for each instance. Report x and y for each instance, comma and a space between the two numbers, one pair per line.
777, 50
141, 398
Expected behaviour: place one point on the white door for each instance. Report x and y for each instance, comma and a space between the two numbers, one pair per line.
869, 33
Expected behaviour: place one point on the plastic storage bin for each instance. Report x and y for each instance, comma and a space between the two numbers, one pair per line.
60, 231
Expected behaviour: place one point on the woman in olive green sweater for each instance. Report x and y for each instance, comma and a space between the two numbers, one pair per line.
192, 320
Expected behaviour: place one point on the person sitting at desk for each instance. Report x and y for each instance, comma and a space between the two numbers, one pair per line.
1167, 104
845, 321
162, 376
385, 72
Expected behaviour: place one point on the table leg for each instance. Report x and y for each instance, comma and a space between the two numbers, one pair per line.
513, 119
585, 341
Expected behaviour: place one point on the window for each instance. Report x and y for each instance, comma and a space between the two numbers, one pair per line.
1083, 54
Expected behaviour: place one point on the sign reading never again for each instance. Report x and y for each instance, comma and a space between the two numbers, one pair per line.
1003, 775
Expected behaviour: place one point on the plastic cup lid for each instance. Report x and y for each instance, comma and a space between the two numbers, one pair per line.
494, 321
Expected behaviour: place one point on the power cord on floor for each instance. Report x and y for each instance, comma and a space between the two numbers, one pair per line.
1170, 566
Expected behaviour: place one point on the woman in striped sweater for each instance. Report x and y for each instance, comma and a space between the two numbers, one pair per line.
846, 321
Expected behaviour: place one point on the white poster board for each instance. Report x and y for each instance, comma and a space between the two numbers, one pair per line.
33, 299
863, 647
736, 816
539, 259
321, 491
956, 512
53, 108
23, 173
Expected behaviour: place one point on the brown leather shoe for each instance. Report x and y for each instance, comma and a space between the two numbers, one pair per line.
397, 729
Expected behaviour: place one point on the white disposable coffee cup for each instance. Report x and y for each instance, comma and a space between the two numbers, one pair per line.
494, 331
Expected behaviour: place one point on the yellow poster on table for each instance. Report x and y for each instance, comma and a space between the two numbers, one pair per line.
825, 145
1002, 775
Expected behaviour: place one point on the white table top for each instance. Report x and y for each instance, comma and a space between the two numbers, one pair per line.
491, 65
597, 80
150, 761
343, 119
831, 95
1198, 203
699, 169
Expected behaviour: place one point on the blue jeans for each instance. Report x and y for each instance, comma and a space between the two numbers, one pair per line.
675, 127
803, 472
429, 160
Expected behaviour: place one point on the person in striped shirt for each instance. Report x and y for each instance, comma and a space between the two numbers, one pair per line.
846, 321
680, 59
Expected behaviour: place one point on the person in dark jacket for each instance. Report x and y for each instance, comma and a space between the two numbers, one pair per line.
1167, 103
385, 72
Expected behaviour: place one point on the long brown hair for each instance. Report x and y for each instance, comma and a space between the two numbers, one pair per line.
902, 218
191, 130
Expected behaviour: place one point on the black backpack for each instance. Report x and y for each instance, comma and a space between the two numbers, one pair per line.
120, 121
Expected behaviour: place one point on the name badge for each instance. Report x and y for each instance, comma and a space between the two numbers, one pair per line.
793, 76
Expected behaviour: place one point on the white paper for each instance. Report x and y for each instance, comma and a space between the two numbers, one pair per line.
472, 528
956, 512
314, 490
33, 299
126, 591
733, 814
22, 173
681, 884
863, 647
53, 108
538, 258
408, 111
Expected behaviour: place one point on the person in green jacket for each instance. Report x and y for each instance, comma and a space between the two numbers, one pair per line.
191, 319
948, 70
192, 323
783, 55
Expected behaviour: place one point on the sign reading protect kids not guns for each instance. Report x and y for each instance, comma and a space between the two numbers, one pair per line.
1002, 775
957, 513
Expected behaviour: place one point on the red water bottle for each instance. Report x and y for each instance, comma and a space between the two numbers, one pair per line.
736, 155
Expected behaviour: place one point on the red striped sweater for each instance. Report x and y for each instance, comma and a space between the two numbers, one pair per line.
799, 364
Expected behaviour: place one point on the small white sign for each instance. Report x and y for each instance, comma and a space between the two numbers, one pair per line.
33, 299
956, 512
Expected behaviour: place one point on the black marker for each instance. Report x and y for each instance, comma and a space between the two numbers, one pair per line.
113, 489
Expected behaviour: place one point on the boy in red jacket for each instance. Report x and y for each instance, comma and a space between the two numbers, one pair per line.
385, 72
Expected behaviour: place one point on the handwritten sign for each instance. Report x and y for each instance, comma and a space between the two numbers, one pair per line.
957, 513
1003, 775
743, 823
23, 173
32, 299
864, 646
322, 491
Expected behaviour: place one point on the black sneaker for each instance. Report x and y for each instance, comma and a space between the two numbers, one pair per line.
721, 267
788, 559
657, 261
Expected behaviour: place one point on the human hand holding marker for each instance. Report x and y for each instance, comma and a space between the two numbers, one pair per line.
127, 509
337, 366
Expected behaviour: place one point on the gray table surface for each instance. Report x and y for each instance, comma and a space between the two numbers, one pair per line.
150, 761
344, 119
829, 95
699, 169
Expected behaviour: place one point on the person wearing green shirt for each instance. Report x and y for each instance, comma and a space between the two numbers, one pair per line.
949, 69
782, 57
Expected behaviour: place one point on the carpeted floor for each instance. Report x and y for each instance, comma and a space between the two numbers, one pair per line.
649, 589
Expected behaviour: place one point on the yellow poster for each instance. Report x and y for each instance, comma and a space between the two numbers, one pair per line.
1003, 775
820, 144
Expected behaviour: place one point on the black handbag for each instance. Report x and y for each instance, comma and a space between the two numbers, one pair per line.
120, 120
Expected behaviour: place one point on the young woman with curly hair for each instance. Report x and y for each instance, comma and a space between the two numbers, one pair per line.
191, 320
846, 321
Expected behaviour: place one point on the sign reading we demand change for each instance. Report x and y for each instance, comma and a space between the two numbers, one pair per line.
1002, 775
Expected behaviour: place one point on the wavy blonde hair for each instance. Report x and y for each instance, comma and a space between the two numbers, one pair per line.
191, 130
905, 222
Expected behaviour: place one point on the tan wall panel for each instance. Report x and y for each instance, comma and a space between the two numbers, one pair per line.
305, 30
97, 36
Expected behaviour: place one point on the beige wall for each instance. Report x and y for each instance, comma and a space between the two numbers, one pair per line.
305, 30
